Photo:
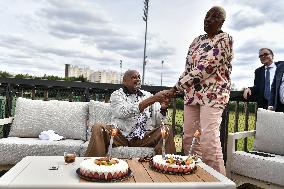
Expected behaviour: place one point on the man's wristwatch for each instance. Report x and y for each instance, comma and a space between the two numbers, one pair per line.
270, 108
164, 111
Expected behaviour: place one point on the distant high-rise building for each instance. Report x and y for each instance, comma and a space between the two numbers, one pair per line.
101, 76
67, 68
105, 76
75, 71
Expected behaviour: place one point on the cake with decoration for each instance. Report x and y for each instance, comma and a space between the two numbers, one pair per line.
174, 163
104, 169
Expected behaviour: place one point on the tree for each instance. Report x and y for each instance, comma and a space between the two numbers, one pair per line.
48, 77
5, 74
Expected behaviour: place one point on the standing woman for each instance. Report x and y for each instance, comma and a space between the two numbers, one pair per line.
206, 83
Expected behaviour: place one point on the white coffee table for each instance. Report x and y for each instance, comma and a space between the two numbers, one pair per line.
32, 172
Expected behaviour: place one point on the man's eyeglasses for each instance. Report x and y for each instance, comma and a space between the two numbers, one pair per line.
263, 55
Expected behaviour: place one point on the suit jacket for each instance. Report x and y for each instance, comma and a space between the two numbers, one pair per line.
258, 88
275, 87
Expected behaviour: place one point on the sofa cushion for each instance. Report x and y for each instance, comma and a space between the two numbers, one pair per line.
268, 169
99, 112
13, 149
125, 151
269, 132
67, 119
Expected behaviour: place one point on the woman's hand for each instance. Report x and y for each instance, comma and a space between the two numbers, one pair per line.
165, 103
168, 93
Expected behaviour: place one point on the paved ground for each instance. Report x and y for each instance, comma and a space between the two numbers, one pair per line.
248, 186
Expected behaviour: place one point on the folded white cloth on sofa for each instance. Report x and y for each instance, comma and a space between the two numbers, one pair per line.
49, 135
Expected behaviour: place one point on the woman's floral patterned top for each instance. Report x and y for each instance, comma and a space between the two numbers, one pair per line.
206, 79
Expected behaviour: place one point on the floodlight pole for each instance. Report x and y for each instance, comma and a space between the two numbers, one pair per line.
120, 71
145, 18
162, 73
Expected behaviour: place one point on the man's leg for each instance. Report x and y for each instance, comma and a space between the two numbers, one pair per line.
210, 120
99, 142
154, 139
191, 124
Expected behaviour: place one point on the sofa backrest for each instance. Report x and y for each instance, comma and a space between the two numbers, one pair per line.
68, 119
269, 132
99, 112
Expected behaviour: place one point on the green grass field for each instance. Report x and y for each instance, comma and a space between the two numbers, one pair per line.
241, 124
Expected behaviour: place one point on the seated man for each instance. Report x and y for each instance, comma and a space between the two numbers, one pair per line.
137, 115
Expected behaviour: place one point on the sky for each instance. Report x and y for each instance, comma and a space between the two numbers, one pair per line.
40, 36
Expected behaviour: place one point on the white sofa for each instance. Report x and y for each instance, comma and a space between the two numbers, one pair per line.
71, 120
265, 165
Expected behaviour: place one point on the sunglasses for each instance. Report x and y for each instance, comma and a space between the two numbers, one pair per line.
263, 55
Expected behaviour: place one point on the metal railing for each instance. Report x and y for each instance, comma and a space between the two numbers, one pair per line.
11, 88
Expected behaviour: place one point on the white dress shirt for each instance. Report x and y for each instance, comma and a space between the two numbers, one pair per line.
127, 117
272, 72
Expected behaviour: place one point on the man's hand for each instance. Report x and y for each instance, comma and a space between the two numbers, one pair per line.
247, 93
163, 97
158, 97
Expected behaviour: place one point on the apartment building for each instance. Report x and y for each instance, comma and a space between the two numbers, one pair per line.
100, 76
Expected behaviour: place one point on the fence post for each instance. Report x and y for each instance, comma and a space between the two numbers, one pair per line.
246, 125
224, 132
174, 116
86, 95
9, 98
255, 110
45, 95
33, 93
236, 125
71, 95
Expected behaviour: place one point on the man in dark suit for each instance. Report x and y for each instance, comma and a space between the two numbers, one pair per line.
261, 91
276, 101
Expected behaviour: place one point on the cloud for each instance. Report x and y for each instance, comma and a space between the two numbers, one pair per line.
247, 18
119, 43
71, 11
40, 54
89, 23
251, 14
272, 9
252, 45
159, 51
243, 59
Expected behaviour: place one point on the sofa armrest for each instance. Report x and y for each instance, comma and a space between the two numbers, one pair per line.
231, 146
6, 121
5, 125
239, 135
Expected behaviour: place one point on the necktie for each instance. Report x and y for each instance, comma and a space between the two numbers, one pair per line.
267, 84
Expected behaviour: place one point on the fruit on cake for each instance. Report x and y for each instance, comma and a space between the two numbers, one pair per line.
105, 168
174, 163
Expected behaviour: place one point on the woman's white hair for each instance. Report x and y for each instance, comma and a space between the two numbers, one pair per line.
221, 10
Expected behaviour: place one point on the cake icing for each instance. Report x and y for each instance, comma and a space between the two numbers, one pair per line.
104, 168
